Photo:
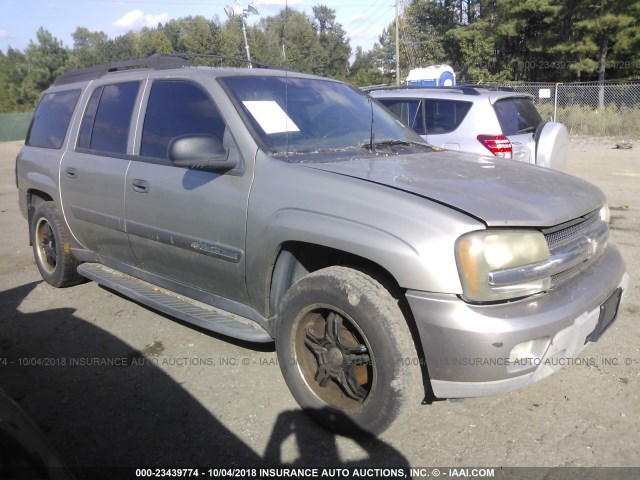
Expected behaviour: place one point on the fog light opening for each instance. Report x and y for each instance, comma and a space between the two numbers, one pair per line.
529, 353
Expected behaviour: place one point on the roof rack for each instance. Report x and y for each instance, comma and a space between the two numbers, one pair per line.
464, 89
159, 61
252, 63
492, 87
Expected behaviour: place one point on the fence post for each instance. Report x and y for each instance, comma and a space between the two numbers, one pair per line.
555, 103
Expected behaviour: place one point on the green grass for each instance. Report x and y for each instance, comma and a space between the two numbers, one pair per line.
611, 121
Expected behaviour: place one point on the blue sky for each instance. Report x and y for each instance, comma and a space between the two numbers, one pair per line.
20, 19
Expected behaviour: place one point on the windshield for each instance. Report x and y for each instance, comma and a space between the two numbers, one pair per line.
303, 116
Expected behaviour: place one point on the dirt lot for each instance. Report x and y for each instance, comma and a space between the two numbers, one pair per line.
194, 399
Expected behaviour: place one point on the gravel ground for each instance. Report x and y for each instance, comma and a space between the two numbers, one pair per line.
189, 398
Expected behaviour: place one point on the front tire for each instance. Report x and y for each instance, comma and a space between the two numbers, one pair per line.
346, 351
51, 247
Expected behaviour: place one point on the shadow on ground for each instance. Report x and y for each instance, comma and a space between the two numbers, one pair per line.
101, 416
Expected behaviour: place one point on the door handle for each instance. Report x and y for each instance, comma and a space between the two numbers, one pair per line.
71, 172
140, 186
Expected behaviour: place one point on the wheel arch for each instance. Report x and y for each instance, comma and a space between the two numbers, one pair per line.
34, 198
295, 259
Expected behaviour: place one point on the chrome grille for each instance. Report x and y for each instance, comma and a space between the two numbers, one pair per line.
571, 238
562, 235
566, 275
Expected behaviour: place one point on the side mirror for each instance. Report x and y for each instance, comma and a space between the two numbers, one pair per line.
200, 151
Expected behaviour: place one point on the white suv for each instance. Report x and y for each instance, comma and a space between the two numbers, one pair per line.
480, 120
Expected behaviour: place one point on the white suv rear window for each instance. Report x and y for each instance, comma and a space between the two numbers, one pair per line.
517, 115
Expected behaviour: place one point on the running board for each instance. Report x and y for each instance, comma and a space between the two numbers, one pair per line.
175, 305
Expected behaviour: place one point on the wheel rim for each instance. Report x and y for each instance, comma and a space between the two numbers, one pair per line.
334, 358
46, 246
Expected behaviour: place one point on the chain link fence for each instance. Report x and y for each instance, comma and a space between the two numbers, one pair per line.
14, 126
589, 109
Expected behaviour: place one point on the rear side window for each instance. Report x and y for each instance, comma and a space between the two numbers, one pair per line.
517, 115
51, 120
429, 116
177, 108
444, 116
106, 121
411, 112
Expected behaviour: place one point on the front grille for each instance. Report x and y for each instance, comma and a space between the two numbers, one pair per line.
562, 277
562, 234
571, 237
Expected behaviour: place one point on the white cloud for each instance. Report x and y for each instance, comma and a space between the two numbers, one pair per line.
136, 19
4, 34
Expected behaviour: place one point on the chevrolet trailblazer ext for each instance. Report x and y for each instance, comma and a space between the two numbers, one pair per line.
272, 205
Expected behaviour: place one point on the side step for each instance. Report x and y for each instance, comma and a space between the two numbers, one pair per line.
176, 305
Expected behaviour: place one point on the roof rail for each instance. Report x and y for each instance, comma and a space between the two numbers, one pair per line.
464, 89
158, 61
155, 62
498, 88
252, 63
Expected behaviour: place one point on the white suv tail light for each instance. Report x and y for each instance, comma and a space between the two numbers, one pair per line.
498, 145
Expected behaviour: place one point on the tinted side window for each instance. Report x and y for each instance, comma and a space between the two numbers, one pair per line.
84, 139
177, 108
105, 126
51, 120
411, 112
517, 115
444, 116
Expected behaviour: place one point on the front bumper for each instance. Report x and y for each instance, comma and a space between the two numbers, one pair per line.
467, 347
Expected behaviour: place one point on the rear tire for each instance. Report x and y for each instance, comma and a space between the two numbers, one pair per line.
346, 352
51, 247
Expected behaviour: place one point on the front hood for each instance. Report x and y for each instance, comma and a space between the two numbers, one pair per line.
499, 192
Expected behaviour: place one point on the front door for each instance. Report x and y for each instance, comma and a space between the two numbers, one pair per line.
187, 225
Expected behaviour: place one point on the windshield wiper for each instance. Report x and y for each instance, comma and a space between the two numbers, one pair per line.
388, 143
525, 130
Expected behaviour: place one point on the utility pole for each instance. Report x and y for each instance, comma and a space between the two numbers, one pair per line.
238, 10
397, 47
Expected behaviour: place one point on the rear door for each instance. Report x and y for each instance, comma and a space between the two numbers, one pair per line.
443, 118
92, 175
434, 119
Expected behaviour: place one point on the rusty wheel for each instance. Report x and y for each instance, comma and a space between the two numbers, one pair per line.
341, 341
51, 247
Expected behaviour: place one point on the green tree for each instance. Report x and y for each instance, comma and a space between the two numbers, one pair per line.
123, 47
89, 48
524, 33
334, 49
597, 31
197, 35
383, 53
6, 101
231, 41
34, 72
152, 41
364, 71
291, 41
476, 51
424, 26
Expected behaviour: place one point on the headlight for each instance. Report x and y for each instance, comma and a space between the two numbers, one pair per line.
605, 214
481, 253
